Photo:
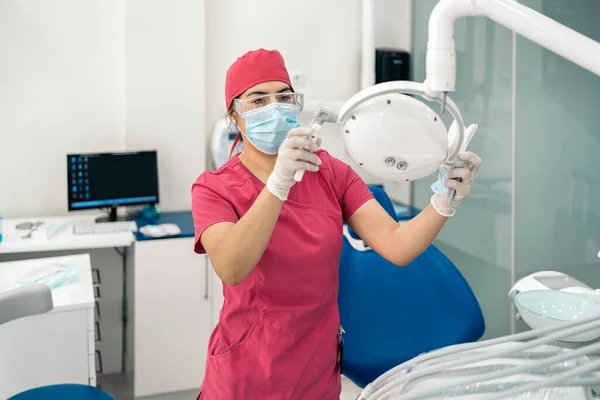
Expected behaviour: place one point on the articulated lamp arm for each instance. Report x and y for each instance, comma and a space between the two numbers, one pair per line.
376, 141
548, 33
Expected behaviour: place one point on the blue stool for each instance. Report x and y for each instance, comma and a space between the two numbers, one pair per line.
64, 392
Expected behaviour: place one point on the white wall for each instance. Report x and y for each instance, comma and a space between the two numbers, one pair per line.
321, 39
67, 84
165, 91
106, 75
61, 90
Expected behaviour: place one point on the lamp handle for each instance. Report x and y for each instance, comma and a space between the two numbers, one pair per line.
322, 114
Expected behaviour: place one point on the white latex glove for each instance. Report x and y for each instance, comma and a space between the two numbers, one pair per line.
440, 201
295, 153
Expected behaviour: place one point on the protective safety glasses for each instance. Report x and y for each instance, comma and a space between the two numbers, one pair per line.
242, 106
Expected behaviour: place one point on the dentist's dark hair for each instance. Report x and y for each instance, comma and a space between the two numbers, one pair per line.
231, 116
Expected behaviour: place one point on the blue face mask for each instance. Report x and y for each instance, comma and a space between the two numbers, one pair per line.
267, 127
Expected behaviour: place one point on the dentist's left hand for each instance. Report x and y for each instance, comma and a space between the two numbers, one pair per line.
459, 179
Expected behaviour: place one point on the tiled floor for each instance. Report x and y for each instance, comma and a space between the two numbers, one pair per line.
349, 390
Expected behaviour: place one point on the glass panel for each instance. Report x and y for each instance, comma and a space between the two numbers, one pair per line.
477, 238
558, 147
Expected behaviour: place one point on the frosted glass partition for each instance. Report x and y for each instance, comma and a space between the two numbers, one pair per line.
514, 88
478, 238
558, 152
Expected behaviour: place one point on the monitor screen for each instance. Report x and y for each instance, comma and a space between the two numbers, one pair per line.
112, 179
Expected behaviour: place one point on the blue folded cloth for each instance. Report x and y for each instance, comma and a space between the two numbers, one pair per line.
439, 186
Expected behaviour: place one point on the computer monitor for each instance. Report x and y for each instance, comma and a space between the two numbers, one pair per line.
112, 179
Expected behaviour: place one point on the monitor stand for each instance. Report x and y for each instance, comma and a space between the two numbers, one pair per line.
112, 216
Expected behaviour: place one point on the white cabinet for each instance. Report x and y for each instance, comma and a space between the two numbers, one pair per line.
171, 316
54, 347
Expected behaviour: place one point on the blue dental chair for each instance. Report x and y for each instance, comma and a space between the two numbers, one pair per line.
33, 300
391, 314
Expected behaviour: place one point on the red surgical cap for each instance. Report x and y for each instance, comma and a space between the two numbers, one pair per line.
252, 68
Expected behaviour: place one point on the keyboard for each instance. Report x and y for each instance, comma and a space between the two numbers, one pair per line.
92, 228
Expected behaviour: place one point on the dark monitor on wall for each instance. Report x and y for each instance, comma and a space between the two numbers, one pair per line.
110, 180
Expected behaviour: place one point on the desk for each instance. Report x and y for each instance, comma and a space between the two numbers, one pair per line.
111, 323
161, 302
56, 347
183, 219
13, 241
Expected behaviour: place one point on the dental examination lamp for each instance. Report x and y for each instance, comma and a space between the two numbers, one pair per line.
380, 123
396, 137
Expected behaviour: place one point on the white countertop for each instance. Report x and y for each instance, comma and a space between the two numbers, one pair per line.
75, 295
13, 241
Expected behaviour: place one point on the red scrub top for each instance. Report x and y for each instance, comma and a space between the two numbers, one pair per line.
278, 331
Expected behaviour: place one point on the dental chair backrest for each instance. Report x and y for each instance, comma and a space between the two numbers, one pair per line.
391, 314
25, 302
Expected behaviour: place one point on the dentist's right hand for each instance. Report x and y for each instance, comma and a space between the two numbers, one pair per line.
296, 153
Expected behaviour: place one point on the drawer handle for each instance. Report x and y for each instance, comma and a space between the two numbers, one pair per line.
97, 334
97, 311
98, 362
96, 276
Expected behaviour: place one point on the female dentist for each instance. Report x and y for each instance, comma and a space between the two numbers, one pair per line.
276, 243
